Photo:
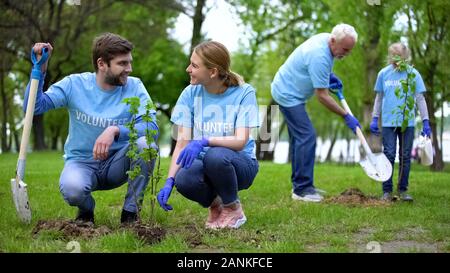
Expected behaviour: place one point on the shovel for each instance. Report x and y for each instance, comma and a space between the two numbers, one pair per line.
376, 166
18, 187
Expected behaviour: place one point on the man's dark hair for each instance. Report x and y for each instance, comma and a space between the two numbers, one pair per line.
107, 46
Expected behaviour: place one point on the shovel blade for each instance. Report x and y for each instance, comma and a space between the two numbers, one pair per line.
20, 197
377, 167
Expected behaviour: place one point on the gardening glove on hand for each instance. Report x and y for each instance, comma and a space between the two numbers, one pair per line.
190, 152
164, 194
426, 131
351, 122
335, 82
374, 126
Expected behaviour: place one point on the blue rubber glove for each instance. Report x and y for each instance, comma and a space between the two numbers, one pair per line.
335, 82
351, 122
374, 126
426, 131
164, 194
190, 152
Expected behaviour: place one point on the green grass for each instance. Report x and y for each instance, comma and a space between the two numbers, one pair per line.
275, 223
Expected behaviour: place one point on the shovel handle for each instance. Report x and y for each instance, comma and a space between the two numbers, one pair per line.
36, 71
358, 130
28, 122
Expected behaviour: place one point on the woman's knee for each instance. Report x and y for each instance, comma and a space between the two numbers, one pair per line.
216, 158
185, 182
193, 188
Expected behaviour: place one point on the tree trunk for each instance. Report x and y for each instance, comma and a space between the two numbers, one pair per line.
54, 144
441, 135
372, 58
333, 141
38, 132
438, 162
4, 97
16, 140
349, 157
197, 20
197, 24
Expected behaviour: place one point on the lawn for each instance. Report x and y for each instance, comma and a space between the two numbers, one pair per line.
276, 223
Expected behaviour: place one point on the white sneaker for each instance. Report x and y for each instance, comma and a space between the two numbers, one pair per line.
309, 197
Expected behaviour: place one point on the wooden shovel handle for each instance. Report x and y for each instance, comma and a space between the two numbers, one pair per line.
358, 130
28, 122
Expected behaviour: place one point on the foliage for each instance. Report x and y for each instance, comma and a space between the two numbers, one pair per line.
406, 92
71, 29
149, 154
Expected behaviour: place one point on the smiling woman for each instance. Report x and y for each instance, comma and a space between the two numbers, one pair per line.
210, 164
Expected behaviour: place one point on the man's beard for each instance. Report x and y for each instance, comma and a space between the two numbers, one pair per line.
115, 80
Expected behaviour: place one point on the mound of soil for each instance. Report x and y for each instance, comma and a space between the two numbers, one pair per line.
77, 229
71, 228
148, 233
355, 196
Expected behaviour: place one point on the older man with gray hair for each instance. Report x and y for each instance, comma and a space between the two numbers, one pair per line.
308, 71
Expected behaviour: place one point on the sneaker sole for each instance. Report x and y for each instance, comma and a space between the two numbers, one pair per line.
239, 222
299, 198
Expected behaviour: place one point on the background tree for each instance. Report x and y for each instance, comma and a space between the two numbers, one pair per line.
277, 27
428, 38
70, 29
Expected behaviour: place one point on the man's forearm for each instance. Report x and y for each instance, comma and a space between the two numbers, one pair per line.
325, 99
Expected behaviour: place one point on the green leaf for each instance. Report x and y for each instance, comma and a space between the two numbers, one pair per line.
404, 125
397, 92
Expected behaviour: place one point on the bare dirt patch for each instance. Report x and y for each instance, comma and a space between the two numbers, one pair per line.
409, 246
148, 233
355, 197
86, 230
71, 228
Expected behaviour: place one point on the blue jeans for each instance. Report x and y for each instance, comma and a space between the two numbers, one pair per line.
302, 147
222, 172
390, 136
80, 178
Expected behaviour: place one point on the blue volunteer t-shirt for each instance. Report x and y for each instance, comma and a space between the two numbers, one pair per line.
92, 109
306, 69
212, 115
387, 81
